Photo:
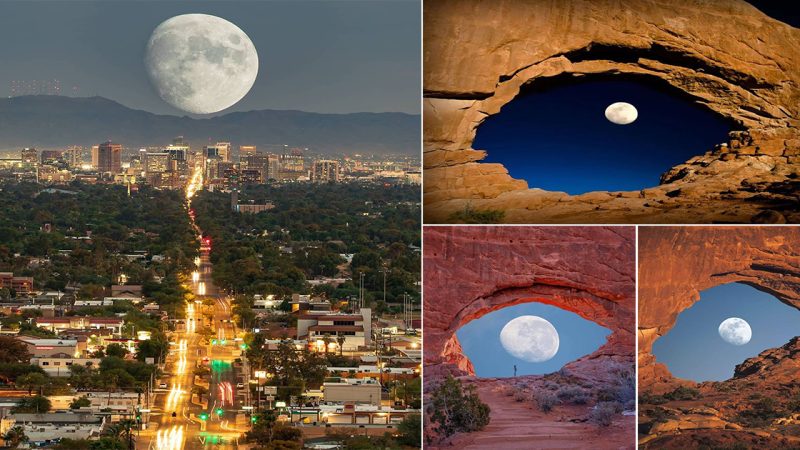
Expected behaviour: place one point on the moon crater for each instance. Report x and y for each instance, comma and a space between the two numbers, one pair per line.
200, 63
621, 113
735, 331
530, 338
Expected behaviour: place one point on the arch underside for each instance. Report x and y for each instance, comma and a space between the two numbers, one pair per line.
604, 312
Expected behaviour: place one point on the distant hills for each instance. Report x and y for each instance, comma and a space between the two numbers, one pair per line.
47, 121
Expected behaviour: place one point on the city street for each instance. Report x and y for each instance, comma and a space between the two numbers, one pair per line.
179, 418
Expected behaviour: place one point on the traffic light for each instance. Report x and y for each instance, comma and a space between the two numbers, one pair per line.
219, 411
243, 346
203, 416
254, 419
213, 342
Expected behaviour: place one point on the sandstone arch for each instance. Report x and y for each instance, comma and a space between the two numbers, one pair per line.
725, 54
676, 263
471, 271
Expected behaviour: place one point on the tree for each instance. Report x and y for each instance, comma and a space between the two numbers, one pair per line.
116, 350
411, 430
121, 431
34, 405
73, 444
15, 436
31, 381
80, 402
341, 339
13, 350
453, 409
326, 339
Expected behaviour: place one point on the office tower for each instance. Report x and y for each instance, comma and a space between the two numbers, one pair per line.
325, 171
273, 167
157, 162
95, 156
259, 163
109, 157
247, 150
30, 157
74, 156
224, 149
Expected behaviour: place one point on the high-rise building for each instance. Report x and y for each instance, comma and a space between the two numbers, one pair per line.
325, 171
51, 156
224, 149
247, 150
30, 157
273, 167
259, 163
157, 162
292, 162
74, 156
95, 156
109, 157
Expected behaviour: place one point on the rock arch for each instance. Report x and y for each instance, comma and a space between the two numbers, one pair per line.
726, 55
471, 271
677, 263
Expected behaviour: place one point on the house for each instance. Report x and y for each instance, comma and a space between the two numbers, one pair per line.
353, 390
59, 366
51, 348
58, 324
49, 428
355, 328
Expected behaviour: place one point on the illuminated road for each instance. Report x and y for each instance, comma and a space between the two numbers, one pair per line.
179, 418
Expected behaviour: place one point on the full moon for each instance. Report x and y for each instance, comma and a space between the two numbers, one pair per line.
530, 338
200, 63
621, 113
735, 331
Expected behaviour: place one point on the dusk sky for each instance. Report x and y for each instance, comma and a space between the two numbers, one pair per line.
480, 340
324, 56
559, 139
693, 348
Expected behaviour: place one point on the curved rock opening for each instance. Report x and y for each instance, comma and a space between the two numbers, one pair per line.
697, 349
481, 343
474, 68
555, 136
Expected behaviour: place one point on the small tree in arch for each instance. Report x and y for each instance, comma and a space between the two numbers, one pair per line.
454, 408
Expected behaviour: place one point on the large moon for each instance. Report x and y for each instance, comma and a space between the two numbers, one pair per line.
200, 63
621, 113
530, 338
735, 331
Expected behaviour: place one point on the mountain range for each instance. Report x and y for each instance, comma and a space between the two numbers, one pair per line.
47, 121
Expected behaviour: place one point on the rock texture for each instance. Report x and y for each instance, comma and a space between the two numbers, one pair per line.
471, 271
725, 54
675, 264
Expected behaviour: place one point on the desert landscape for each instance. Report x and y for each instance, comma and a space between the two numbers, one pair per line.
473, 271
759, 406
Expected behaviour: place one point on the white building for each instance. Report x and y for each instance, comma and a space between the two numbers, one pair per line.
356, 329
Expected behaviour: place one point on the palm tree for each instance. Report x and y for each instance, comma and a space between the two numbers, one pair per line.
327, 340
121, 431
15, 436
340, 339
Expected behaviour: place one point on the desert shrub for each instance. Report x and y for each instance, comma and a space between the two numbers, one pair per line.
683, 393
520, 397
474, 216
659, 414
763, 411
545, 400
573, 394
453, 408
551, 385
652, 399
603, 413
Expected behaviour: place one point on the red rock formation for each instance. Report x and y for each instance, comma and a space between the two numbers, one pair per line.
725, 54
676, 263
471, 271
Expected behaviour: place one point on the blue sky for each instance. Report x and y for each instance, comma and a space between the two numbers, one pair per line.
693, 348
480, 340
559, 139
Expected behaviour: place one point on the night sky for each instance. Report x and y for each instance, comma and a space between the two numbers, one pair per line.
693, 349
480, 340
558, 138
323, 56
